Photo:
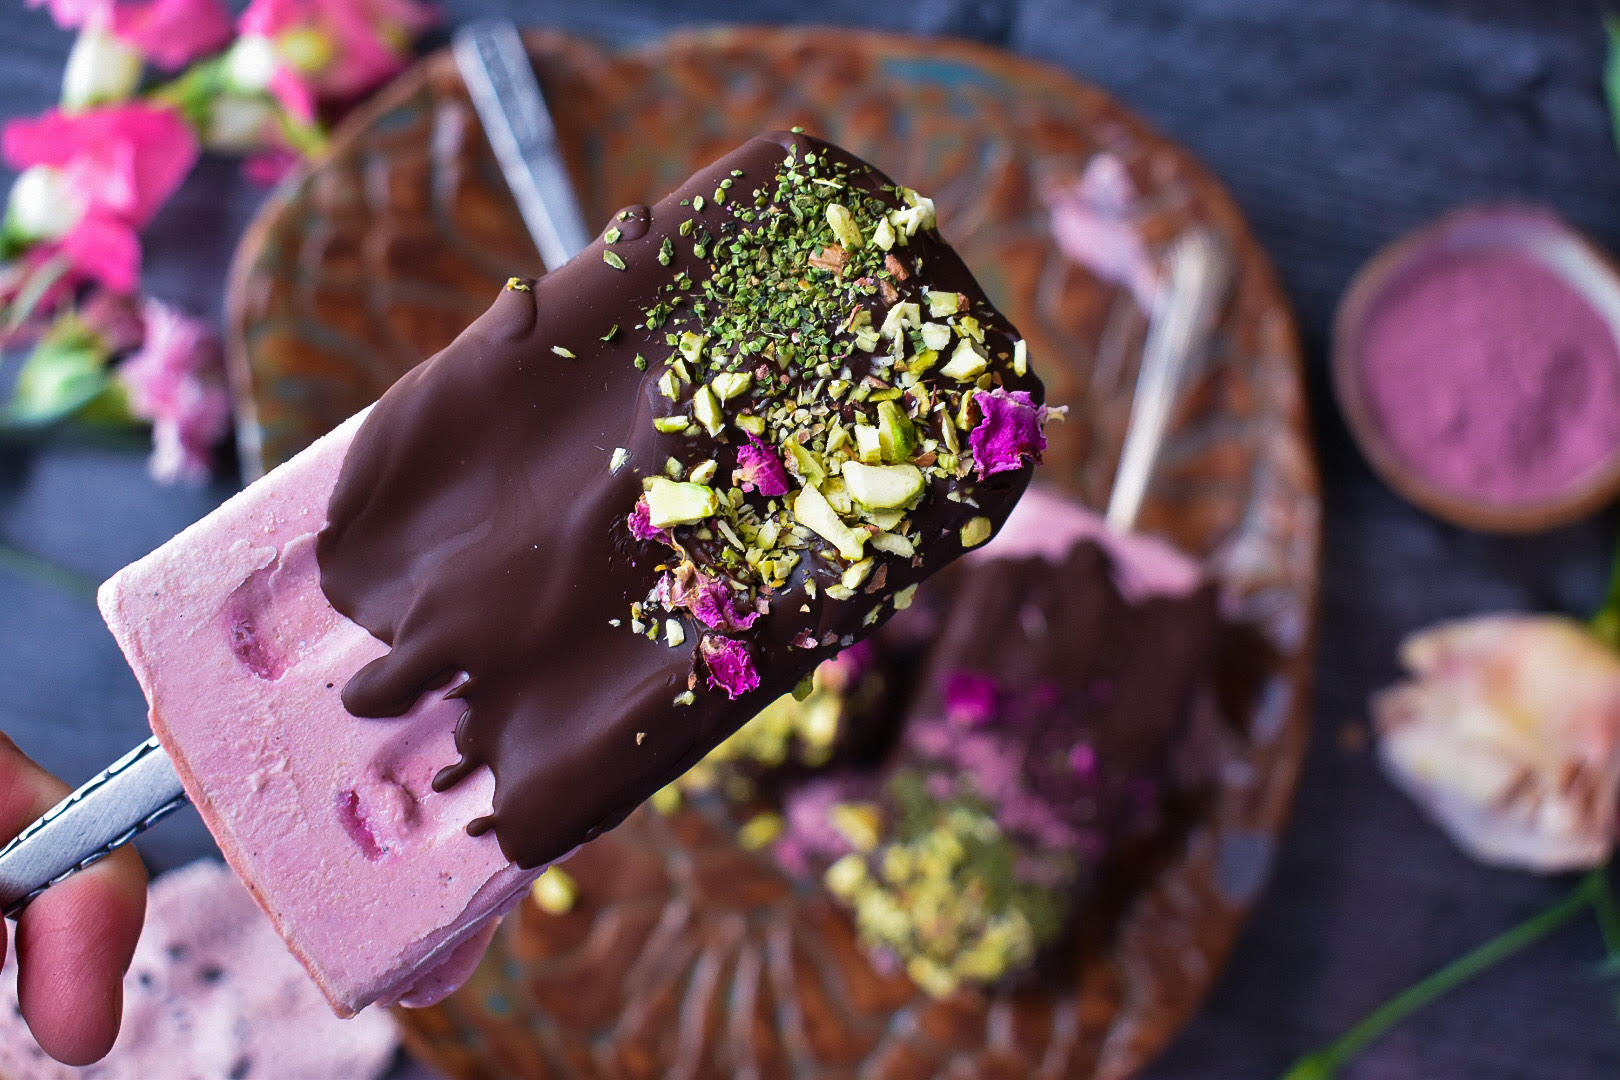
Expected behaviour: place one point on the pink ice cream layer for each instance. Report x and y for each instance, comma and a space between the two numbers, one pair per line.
330, 820
1049, 524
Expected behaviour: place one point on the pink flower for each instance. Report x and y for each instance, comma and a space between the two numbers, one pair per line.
640, 523
172, 33
1507, 732
760, 469
72, 14
730, 667
333, 49
173, 381
707, 598
119, 164
1010, 432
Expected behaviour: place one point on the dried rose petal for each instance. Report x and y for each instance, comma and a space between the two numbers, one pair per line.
730, 667
640, 523
709, 599
1010, 432
760, 469
970, 698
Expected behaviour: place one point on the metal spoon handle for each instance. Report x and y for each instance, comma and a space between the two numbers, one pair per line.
495, 66
108, 811
1184, 310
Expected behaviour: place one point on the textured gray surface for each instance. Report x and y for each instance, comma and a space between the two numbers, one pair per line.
1337, 123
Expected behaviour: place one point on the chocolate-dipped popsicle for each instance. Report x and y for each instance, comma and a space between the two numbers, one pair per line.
645, 495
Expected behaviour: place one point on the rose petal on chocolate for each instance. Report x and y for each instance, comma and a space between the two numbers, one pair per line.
760, 469
1010, 432
640, 523
730, 667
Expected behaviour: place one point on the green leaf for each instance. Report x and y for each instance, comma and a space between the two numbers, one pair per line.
1319, 1066
66, 373
1611, 73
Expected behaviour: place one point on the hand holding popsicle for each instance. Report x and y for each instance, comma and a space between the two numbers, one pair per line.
74, 943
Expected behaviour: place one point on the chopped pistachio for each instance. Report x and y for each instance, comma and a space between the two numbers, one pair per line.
845, 877
1020, 360
759, 831
941, 303
923, 361
903, 598
883, 235
868, 443
566, 354
616, 462
811, 509
804, 463
858, 823
691, 345
674, 633
936, 336
844, 226
685, 697
754, 425
555, 892
729, 384
840, 591
677, 503
612, 235
707, 410
855, 576
516, 284
894, 544
883, 486
703, 472
900, 316
666, 800
976, 531
671, 425
886, 520
897, 436
612, 259
666, 252
966, 362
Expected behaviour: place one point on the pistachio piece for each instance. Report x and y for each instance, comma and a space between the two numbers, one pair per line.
815, 513
897, 437
883, 487
936, 336
942, 303
856, 575
894, 544
729, 384
976, 531
617, 461
804, 463
903, 598
671, 502
966, 362
555, 891
868, 443
707, 410
703, 472
1020, 361
674, 633
670, 425
844, 226
883, 235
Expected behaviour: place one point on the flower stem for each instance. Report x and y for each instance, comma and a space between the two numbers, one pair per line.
47, 572
1324, 1063
1605, 624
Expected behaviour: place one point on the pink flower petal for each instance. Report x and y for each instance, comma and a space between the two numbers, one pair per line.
72, 14
106, 249
640, 523
1010, 433
759, 468
730, 667
172, 33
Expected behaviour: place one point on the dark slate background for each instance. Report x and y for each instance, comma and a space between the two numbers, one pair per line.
1337, 124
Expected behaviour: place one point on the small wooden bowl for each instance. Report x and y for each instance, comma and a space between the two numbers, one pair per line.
1526, 230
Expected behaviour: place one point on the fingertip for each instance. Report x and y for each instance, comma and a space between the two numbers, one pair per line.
74, 945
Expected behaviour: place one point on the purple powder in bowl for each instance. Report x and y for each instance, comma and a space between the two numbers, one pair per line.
1487, 372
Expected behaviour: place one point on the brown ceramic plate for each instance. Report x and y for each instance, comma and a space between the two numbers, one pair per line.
685, 955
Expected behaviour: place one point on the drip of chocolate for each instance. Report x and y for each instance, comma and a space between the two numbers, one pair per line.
585, 504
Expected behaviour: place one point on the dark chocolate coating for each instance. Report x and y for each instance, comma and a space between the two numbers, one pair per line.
476, 526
